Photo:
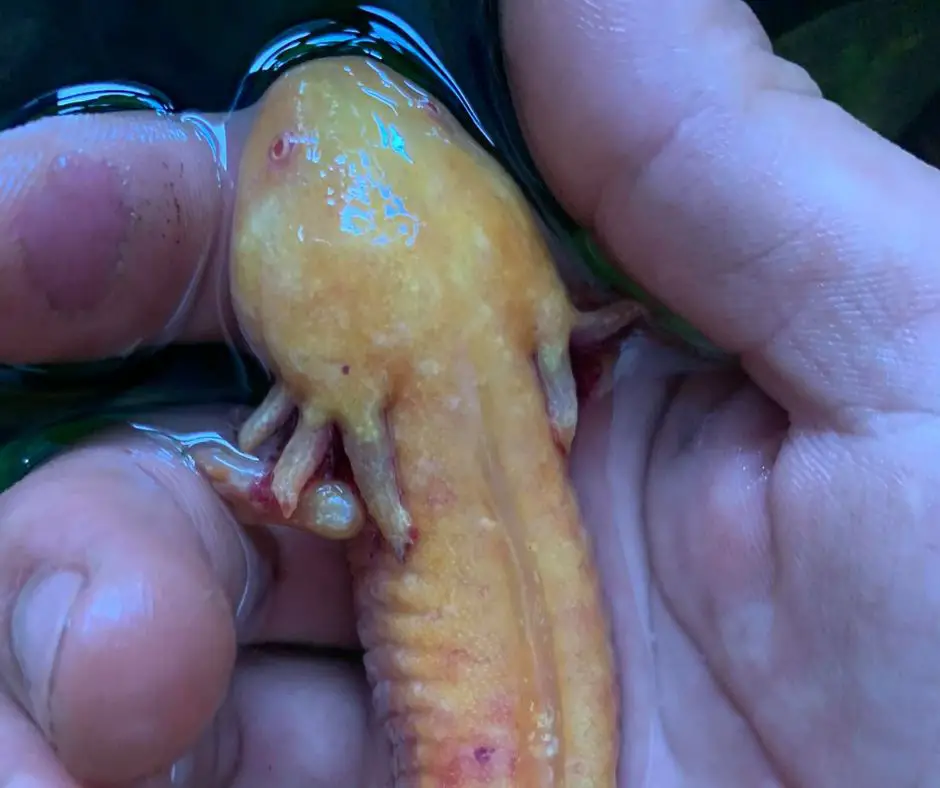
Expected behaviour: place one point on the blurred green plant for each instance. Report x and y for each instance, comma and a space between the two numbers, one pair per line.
878, 59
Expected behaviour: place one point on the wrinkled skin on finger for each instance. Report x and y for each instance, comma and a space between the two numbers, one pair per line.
768, 556
788, 529
131, 671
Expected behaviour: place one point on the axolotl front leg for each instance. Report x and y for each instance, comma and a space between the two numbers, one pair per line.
373, 461
367, 444
395, 281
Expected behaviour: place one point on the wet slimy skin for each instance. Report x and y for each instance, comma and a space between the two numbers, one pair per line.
393, 278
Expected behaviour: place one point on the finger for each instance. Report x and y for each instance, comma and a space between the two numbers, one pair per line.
111, 234
307, 597
308, 724
111, 616
668, 691
123, 587
717, 176
26, 760
289, 721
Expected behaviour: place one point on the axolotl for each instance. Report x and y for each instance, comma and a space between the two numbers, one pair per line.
396, 283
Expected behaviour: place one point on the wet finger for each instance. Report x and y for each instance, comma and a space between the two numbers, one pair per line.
308, 596
111, 234
124, 589
26, 760
720, 179
290, 721
111, 616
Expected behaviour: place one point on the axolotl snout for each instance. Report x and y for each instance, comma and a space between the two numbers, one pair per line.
394, 280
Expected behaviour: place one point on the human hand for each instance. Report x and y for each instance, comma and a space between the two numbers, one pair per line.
130, 601
768, 540
775, 638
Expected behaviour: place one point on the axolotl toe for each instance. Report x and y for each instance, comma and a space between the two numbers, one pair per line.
395, 281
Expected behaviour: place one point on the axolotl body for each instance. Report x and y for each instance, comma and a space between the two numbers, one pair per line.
396, 283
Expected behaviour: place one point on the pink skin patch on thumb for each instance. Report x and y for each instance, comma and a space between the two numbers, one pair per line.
70, 229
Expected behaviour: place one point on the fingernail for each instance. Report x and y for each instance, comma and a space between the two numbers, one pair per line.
40, 618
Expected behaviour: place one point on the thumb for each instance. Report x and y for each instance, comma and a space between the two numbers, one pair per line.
722, 181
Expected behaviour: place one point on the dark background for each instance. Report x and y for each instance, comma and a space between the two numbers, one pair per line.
198, 50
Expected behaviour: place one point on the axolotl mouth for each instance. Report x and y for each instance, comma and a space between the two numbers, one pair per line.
400, 289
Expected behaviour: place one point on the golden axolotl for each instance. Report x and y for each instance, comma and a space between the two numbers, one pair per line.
397, 285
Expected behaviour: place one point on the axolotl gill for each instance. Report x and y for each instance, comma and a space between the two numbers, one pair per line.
395, 281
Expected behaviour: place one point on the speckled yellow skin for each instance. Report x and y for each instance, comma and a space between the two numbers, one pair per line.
390, 273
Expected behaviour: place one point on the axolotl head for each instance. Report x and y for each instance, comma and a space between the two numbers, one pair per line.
348, 160
333, 128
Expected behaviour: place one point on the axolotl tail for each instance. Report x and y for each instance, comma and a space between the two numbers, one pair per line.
487, 648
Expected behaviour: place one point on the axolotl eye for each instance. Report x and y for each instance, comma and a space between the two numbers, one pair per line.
441, 119
281, 147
